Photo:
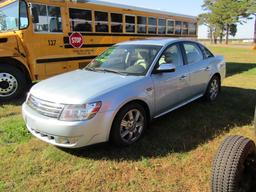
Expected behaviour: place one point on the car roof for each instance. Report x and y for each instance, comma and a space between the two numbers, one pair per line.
160, 42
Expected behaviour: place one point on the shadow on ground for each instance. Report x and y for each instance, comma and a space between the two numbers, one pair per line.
236, 68
184, 129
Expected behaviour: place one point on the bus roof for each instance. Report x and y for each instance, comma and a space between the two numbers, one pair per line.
104, 3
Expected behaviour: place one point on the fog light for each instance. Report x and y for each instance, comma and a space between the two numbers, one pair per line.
66, 140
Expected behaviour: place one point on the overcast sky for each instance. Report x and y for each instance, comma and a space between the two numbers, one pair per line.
187, 7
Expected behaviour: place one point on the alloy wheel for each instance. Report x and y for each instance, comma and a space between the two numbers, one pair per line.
132, 126
214, 89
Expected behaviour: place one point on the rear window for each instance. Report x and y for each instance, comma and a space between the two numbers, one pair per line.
207, 53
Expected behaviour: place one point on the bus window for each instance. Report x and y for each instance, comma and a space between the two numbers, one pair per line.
42, 25
192, 28
170, 27
142, 24
185, 28
23, 15
54, 19
49, 19
152, 25
161, 26
130, 24
101, 21
80, 20
116, 23
178, 27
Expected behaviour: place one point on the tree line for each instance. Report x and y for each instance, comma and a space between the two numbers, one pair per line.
222, 17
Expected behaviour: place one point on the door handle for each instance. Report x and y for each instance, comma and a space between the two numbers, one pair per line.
183, 77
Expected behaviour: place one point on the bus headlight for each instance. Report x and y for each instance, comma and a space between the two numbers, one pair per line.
80, 112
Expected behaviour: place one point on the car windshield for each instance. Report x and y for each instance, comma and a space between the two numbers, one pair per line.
10, 19
125, 59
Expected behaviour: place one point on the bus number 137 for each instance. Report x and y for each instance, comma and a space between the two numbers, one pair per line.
51, 42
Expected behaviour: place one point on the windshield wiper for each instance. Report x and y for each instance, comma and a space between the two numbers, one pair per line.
89, 68
111, 71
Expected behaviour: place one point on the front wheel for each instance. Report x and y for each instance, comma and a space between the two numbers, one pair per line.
13, 83
129, 125
234, 167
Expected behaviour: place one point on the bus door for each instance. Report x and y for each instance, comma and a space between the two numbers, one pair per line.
47, 42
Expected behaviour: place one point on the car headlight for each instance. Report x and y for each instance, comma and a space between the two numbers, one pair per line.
80, 112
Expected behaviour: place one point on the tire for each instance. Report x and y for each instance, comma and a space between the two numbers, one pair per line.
13, 83
234, 166
213, 89
120, 134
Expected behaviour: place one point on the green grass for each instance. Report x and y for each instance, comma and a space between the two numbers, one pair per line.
175, 154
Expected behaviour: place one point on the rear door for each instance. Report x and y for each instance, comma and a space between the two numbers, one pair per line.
199, 69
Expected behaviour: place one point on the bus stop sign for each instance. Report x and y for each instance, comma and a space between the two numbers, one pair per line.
76, 40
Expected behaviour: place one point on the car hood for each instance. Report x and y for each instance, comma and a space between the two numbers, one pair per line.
79, 86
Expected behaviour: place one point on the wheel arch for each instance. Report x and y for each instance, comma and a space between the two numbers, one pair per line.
138, 101
218, 75
17, 64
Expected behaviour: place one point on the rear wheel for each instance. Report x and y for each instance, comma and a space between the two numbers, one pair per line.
13, 83
213, 89
129, 125
234, 167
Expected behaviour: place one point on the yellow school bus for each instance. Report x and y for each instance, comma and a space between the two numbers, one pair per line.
43, 38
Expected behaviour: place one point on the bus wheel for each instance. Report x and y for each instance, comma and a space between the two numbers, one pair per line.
234, 167
13, 83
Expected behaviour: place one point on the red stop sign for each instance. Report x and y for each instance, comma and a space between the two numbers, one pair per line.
76, 40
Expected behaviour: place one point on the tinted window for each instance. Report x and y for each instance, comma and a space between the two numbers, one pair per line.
142, 24
101, 21
152, 21
161, 26
80, 20
54, 19
193, 53
42, 25
172, 55
192, 28
184, 28
130, 24
116, 23
170, 27
152, 25
178, 27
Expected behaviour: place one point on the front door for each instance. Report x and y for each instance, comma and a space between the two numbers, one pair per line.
47, 46
171, 89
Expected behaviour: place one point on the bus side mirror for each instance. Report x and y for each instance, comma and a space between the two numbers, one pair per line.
35, 15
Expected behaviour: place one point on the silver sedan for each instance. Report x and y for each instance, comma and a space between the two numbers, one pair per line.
117, 95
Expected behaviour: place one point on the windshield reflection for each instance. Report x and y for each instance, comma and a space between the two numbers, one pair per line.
126, 59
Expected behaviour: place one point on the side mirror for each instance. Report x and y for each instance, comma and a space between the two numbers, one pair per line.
35, 15
166, 68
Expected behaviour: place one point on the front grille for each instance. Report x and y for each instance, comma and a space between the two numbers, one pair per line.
45, 108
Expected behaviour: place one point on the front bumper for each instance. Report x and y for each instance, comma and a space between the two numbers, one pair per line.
68, 134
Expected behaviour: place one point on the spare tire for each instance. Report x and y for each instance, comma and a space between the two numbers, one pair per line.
234, 167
